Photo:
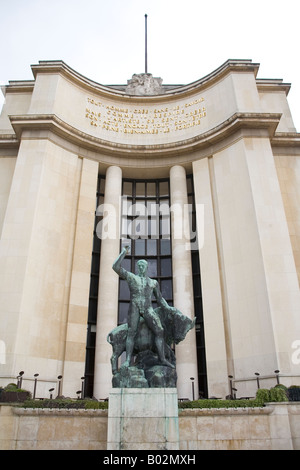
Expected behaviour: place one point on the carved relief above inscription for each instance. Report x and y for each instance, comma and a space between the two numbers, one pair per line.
145, 120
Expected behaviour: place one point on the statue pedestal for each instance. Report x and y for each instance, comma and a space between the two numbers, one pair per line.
143, 419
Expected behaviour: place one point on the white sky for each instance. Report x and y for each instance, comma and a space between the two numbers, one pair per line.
187, 39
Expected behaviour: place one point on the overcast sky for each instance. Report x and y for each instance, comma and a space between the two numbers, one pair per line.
187, 39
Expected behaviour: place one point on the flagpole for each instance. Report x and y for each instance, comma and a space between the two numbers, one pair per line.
146, 59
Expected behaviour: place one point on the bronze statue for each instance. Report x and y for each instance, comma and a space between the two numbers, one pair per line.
141, 289
149, 333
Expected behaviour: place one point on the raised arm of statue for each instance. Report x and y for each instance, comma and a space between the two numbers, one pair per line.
117, 264
160, 300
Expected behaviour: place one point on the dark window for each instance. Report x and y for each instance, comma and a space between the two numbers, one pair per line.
146, 226
146, 229
201, 358
93, 296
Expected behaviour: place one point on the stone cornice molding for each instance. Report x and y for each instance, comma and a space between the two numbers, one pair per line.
9, 141
272, 85
285, 141
170, 92
60, 67
50, 122
59, 412
18, 86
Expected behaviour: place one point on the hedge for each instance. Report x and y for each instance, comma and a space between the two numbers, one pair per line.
212, 403
66, 403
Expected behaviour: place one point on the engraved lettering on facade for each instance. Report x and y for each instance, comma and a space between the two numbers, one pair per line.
141, 120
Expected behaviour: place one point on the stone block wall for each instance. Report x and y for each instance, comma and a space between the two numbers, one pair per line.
52, 429
274, 427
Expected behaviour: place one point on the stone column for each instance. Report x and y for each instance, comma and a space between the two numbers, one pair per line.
261, 290
75, 347
218, 354
186, 353
107, 315
35, 257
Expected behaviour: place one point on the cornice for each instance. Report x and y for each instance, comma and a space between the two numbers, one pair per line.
18, 86
60, 67
50, 122
286, 139
272, 85
9, 141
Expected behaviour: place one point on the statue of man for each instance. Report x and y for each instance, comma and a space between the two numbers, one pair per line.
141, 288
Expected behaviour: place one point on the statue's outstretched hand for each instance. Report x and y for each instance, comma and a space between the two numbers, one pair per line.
126, 249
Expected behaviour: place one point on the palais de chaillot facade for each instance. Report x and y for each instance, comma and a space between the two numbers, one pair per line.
202, 180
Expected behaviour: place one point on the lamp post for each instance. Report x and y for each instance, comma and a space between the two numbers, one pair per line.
193, 388
59, 385
82, 387
257, 378
51, 390
35, 383
20, 378
277, 376
230, 383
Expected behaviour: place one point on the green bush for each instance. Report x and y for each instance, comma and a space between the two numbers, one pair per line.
281, 386
13, 388
263, 395
94, 404
278, 394
65, 403
12, 394
211, 403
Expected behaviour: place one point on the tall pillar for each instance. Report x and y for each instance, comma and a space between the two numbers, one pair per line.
107, 315
75, 348
35, 258
218, 354
186, 351
261, 290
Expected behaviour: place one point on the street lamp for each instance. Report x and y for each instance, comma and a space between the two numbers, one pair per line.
35, 383
59, 385
257, 378
231, 386
277, 376
82, 387
20, 378
51, 390
193, 389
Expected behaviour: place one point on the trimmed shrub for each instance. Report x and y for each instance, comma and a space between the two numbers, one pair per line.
11, 394
278, 394
66, 403
211, 403
263, 395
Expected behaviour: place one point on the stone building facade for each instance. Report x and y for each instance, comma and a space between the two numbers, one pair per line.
203, 180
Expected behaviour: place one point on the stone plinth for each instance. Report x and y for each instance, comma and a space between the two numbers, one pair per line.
143, 419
